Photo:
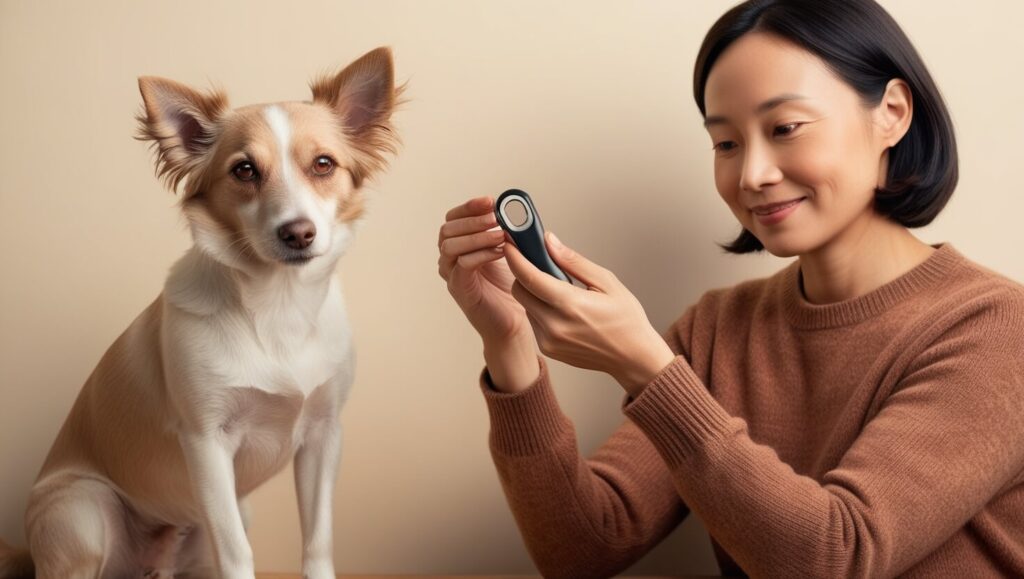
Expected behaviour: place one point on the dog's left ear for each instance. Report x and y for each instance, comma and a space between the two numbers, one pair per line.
363, 96
181, 123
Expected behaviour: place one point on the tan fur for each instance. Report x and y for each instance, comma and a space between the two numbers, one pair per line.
174, 159
377, 136
15, 563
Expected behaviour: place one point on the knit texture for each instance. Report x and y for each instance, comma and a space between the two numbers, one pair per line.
879, 436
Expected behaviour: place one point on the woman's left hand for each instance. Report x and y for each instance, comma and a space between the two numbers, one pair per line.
602, 328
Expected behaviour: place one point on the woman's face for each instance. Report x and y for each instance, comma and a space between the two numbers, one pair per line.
817, 146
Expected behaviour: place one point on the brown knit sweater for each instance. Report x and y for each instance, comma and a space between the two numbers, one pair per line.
878, 436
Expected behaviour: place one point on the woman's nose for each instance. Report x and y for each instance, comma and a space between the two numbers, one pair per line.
760, 167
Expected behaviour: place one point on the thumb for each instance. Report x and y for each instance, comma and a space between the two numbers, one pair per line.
574, 264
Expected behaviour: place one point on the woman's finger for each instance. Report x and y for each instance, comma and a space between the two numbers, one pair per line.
539, 283
533, 304
474, 259
456, 246
578, 266
474, 206
467, 225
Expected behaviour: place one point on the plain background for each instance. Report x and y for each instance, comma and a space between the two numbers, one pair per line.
586, 105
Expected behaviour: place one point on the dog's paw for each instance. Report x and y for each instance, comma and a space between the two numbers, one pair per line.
318, 569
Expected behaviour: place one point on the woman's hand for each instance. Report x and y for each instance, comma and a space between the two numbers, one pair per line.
481, 283
470, 244
602, 328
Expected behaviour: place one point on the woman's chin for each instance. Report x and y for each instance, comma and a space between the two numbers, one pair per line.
783, 244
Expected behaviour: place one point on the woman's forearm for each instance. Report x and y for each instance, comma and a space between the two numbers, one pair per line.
512, 363
579, 517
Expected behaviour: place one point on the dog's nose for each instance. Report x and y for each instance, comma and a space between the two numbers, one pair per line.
297, 234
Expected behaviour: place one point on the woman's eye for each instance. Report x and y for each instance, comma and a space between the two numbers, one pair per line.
323, 165
794, 125
244, 171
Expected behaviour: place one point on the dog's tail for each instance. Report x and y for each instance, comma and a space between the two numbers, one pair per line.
15, 563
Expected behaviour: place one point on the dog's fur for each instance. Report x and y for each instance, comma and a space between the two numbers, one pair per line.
242, 362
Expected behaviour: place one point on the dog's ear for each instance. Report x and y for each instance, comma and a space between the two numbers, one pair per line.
181, 124
363, 96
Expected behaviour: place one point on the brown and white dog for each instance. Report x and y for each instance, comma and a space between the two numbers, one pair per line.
244, 360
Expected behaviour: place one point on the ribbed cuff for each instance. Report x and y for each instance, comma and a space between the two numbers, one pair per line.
525, 422
677, 412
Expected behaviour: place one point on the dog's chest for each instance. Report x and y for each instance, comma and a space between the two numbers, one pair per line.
276, 368
268, 428
281, 352
287, 386
266, 381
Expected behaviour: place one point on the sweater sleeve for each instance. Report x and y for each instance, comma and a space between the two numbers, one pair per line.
578, 517
945, 442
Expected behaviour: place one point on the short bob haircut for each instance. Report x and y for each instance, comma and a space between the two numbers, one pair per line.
860, 43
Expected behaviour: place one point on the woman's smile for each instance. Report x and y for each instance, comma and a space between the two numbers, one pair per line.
772, 214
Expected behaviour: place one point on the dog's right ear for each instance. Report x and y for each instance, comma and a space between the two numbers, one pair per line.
181, 123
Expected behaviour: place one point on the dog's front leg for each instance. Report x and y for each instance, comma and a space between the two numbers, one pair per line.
211, 472
316, 468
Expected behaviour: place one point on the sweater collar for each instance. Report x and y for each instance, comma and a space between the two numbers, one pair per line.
805, 315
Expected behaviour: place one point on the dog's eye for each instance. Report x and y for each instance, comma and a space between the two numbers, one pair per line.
244, 171
323, 165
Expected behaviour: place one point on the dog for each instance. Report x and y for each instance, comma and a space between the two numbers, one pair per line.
243, 361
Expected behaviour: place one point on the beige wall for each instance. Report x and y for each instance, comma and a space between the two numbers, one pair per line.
586, 105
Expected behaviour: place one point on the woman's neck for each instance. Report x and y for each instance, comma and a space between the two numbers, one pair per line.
871, 252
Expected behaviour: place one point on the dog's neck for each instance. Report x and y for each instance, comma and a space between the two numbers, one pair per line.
277, 294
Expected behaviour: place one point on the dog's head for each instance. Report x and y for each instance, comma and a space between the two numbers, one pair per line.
277, 184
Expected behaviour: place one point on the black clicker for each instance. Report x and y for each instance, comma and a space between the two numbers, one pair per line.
518, 216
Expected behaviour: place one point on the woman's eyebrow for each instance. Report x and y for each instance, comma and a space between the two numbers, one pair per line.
761, 108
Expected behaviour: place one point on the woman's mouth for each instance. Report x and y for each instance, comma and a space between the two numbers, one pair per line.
776, 213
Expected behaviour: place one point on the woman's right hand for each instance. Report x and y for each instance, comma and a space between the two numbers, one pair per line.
470, 245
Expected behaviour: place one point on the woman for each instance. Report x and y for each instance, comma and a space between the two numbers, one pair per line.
857, 414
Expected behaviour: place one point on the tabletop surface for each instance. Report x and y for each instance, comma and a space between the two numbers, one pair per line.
299, 576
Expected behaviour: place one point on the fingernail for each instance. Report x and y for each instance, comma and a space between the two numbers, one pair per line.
555, 241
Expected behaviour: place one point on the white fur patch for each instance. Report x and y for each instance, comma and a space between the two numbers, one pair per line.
301, 202
278, 121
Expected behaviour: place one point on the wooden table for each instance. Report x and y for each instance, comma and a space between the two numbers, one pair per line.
298, 576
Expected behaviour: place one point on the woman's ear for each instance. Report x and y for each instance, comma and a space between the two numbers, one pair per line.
896, 111
363, 96
181, 123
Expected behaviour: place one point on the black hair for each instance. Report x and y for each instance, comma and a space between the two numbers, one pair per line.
861, 43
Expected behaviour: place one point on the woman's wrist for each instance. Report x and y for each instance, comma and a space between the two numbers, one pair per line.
512, 362
642, 369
